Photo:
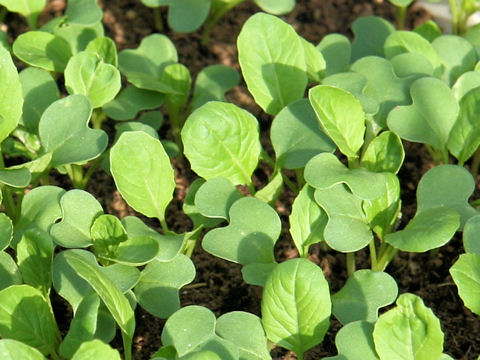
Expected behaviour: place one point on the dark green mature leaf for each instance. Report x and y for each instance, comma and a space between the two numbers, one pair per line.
364, 293
96, 349
187, 15
296, 135
14, 350
83, 12
384, 153
25, 316
89, 75
43, 50
160, 283
249, 238
64, 131
341, 117
275, 72
79, 210
355, 340
39, 91
430, 118
466, 275
9, 272
370, 34
296, 305
6, 231
11, 97
124, 276
471, 241
144, 177
336, 50
409, 331
222, 140
212, 83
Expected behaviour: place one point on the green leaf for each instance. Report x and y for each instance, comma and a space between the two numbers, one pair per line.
160, 283
297, 136
384, 153
40, 209
336, 50
212, 83
13, 350
110, 294
104, 48
185, 16
95, 349
249, 238
431, 116
11, 98
325, 171
222, 140
370, 35
154, 119
35, 258
83, 325
365, 292
18, 178
245, 330
136, 251
466, 275
316, 65
296, 305
130, 101
402, 3
25, 316
64, 131
143, 67
409, 331
411, 65
79, 210
447, 185
39, 91
83, 12
429, 229
78, 36
347, 229
307, 221
275, 72
28, 8
6, 231
341, 117
9, 272
270, 192
87, 74
177, 76
471, 242
277, 7
145, 177
124, 276
43, 50
355, 340
429, 30
193, 212
257, 273
107, 233
215, 197
466, 82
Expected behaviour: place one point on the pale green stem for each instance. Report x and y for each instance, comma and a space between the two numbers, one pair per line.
265, 157
163, 223
475, 163
387, 253
350, 263
401, 15
127, 346
290, 184
251, 188
210, 23
157, 16
300, 178
97, 118
373, 253
454, 12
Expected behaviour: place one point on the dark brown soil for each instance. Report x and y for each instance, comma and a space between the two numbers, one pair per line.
218, 284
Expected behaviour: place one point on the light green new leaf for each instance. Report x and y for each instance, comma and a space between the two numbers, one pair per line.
447, 185
297, 136
160, 283
471, 241
466, 275
104, 48
364, 293
429, 30
385, 153
431, 116
296, 305
15, 177
277, 7
96, 349
466, 82
355, 340
316, 65
212, 83
89, 75
215, 197
110, 294
370, 35
26, 316
144, 177
307, 221
251, 235
35, 258
177, 76
83, 12
9, 272
402, 3
325, 171
429, 229
43, 50
79, 210
11, 95
143, 67
245, 330
270, 192
28, 8
64, 131
222, 140
107, 233
410, 331
6, 231
341, 117
136, 251
347, 228
336, 50
39, 91
272, 59
14, 350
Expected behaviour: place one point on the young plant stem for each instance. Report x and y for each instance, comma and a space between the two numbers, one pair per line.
127, 346
75, 173
157, 16
454, 12
475, 163
350, 263
251, 188
300, 178
387, 253
10, 207
373, 253
353, 162
265, 157
290, 184
3, 13
216, 15
401, 16
163, 223
97, 118
176, 122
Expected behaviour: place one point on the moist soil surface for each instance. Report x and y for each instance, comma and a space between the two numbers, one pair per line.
218, 284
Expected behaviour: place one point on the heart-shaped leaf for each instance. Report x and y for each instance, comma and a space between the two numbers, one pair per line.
466, 275
222, 140
249, 238
193, 212
336, 50
78, 36
370, 35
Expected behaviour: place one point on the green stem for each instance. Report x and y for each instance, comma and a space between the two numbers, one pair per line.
475, 163
265, 157
350, 263
454, 12
373, 253
127, 346
163, 223
251, 188
157, 17
300, 178
290, 184
216, 15
176, 123
3, 13
387, 253
77, 176
353, 162
401, 15
97, 118
9, 203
